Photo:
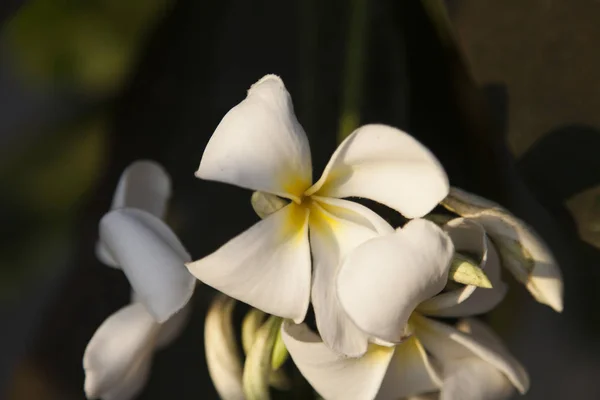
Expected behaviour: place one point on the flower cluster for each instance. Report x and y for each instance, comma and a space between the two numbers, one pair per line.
378, 292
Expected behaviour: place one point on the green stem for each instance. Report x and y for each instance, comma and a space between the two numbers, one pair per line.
354, 68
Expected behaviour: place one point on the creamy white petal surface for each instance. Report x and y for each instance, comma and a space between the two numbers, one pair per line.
260, 145
382, 281
522, 251
409, 373
333, 234
152, 258
475, 379
447, 344
144, 185
332, 375
133, 381
222, 352
116, 360
387, 165
267, 266
469, 237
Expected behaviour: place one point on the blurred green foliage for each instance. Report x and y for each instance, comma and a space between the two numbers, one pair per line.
42, 188
63, 46
87, 44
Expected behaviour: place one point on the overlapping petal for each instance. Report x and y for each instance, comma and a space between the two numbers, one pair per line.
475, 379
447, 345
260, 145
522, 251
117, 358
469, 237
267, 266
410, 372
387, 165
152, 258
336, 228
472, 378
331, 374
382, 281
144, 185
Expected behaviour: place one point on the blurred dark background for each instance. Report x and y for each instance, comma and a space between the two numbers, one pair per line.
510, 104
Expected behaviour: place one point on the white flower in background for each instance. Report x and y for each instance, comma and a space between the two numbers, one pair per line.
381, 295
117, 359
522, 251
260, 145
144, 185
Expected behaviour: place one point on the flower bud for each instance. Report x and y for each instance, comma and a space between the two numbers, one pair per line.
521, 250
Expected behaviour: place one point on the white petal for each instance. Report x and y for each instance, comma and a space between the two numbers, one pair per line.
475, 379
152, 258
133, 381
172, 328
472, 378
267, 266
410, 372
482, 333
115, 360
333, 234
332, 375
447, 344
144, 185
386, 165
104, 256
522, 251
260, 145
356, 213
469, 237
382, 281
222, 352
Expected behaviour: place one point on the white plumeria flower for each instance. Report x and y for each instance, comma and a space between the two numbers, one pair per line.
434, 358
522, 251
382, 294
118, 358
260, 145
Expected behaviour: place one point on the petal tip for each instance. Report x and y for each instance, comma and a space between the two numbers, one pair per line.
275, 79
90, 385
547, 291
